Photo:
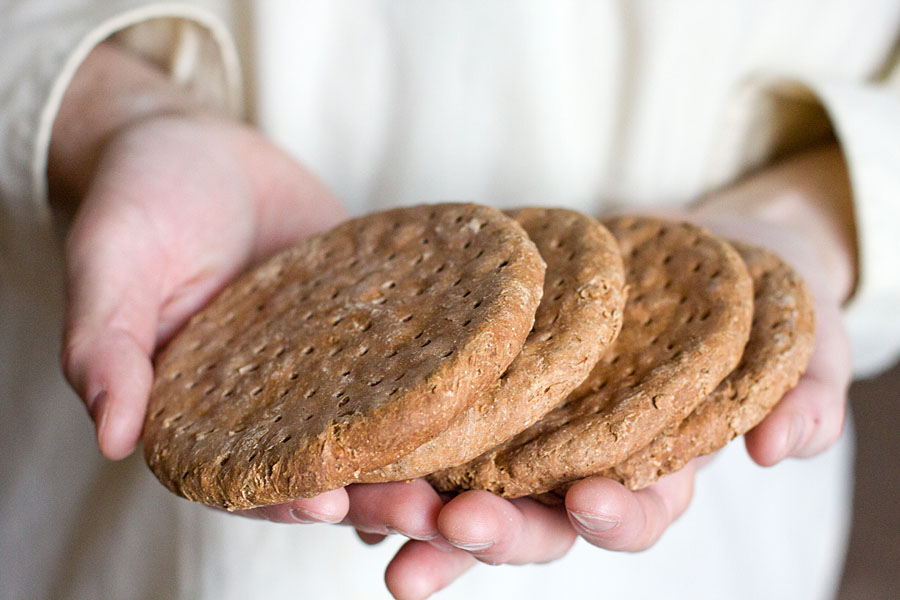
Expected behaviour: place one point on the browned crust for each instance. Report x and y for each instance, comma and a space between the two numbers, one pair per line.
686, 322
579, 316
781, 342
341, 355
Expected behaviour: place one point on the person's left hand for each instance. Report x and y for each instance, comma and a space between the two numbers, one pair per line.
479, 526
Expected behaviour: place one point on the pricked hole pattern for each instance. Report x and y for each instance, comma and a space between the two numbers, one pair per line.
158, 412
175, 375
310, 393
255, 352
286, 439
705, 315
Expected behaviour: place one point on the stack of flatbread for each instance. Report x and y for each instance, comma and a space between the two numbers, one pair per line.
514, 352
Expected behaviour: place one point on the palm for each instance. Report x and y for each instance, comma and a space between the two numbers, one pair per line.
174, 210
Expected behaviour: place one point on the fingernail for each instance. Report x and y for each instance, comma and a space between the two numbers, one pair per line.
306, 517
441, 543
98, 408
796, 435
421, 538
594, 523
472, 546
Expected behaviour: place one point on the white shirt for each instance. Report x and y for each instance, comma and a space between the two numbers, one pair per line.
590, 105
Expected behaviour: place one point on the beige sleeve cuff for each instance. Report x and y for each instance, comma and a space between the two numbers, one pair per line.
776, 116
186, 41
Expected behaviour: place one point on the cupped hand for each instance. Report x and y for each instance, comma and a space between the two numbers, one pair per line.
176, 207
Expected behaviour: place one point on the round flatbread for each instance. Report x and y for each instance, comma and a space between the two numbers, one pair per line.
781, 342
686, 321
579, 316
341, 355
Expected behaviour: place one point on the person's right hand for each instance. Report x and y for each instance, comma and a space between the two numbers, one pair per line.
169, 205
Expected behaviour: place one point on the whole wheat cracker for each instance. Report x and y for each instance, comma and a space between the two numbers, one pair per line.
686, 321
781, 342
340, 355
579, 316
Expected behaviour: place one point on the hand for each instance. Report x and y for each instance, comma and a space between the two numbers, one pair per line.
800, 210
170, 203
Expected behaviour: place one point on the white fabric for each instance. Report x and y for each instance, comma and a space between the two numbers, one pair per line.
590, 105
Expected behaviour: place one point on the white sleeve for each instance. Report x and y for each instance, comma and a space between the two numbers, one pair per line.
773, 115
43, 43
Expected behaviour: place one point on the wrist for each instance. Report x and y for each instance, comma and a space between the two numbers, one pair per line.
808, 198
111, 91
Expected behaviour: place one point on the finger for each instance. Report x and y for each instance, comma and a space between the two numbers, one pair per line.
409, 508
610, 516
498, 531
810, 417
110, 325
329, 507
370, 538
419, 570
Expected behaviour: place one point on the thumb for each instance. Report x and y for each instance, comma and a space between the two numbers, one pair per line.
113, 289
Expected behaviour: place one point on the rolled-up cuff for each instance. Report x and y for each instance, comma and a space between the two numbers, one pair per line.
188, 42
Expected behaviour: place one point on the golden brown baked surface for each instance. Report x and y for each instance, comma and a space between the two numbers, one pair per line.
579, 316
686, 321
781, 342
341, 355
